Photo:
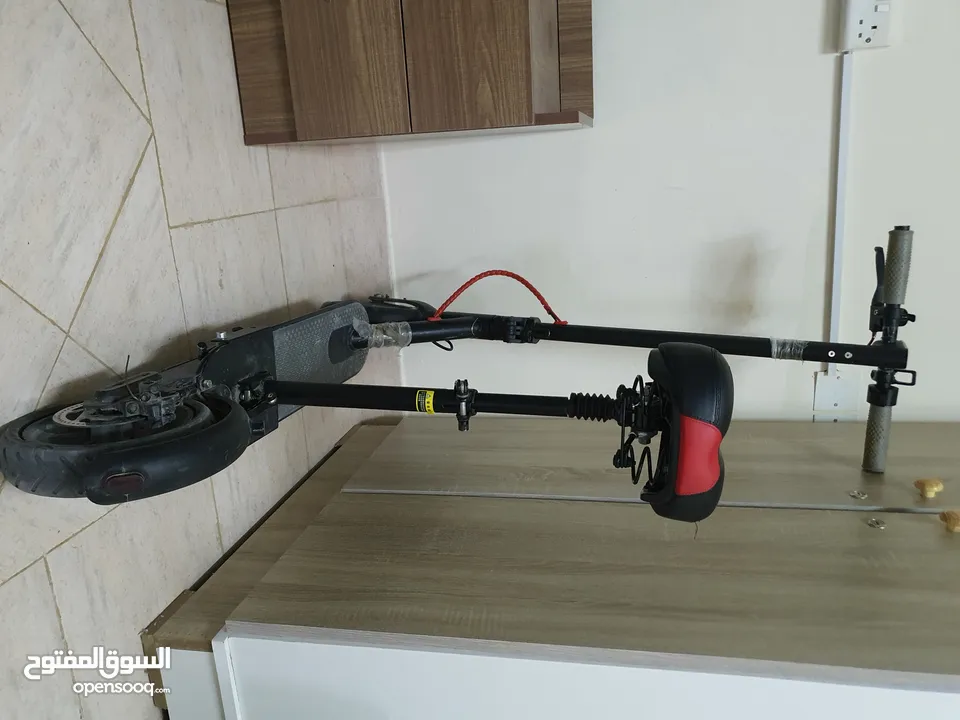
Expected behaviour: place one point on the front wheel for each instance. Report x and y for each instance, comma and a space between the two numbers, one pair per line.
54, 452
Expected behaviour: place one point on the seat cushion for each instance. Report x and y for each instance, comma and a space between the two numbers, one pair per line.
695, 386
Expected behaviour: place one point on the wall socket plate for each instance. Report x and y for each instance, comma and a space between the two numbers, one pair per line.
867, 24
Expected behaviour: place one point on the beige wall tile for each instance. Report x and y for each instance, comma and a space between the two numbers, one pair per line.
251, 486
381, 368
30, 525
305, 173
366, 253
109, 27
70, 139
312, 255
188, 65
302, 173
30, 627
356, 170
26, 361
132, 306
112, 579
230, 273
75, 376
325, 427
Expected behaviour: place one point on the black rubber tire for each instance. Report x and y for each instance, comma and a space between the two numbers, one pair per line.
216, 434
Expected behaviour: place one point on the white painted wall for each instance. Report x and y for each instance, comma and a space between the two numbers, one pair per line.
699, 201
905, 168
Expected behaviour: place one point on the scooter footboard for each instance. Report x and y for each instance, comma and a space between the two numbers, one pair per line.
313, 348
316, 348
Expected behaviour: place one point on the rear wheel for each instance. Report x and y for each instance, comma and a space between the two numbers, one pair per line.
63, 452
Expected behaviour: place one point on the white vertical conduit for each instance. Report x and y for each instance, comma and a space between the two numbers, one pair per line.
840, 199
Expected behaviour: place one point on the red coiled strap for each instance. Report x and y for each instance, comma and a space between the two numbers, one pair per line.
504, 273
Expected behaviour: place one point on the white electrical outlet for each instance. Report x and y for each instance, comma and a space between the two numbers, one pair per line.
867, 24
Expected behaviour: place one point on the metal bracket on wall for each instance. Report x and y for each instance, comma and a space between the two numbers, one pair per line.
838, 395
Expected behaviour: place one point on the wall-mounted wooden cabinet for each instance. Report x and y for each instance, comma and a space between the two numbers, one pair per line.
346, 64
337, 69
481, 63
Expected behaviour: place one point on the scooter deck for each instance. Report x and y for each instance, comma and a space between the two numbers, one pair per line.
311, 348
315, 348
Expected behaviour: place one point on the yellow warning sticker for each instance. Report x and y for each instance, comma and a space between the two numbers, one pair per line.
425, 401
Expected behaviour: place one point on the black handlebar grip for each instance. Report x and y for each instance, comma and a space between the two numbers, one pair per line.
899, 252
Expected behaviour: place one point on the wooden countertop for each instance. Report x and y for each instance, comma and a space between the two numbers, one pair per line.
767, 463
819, 587
193, 620
527, 567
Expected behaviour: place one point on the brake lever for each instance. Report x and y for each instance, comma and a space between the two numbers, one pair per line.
876, 304
425, 309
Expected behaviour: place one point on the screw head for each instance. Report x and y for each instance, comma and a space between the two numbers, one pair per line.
877, 524
831, 353
857, 495
132, 408
848, 355
207, 384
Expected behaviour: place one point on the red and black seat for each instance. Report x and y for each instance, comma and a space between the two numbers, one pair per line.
696, 391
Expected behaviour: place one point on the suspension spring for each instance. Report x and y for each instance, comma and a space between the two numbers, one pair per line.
592, 407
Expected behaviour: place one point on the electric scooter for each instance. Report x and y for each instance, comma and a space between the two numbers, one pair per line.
157, 432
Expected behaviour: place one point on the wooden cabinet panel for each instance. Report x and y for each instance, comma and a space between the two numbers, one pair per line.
346, 66
480, 63
261, 59
576, 55
544, 56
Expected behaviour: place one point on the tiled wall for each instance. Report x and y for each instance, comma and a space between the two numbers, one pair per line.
134, 221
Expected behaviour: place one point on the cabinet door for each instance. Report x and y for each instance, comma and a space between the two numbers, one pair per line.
480, 63
346, 64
